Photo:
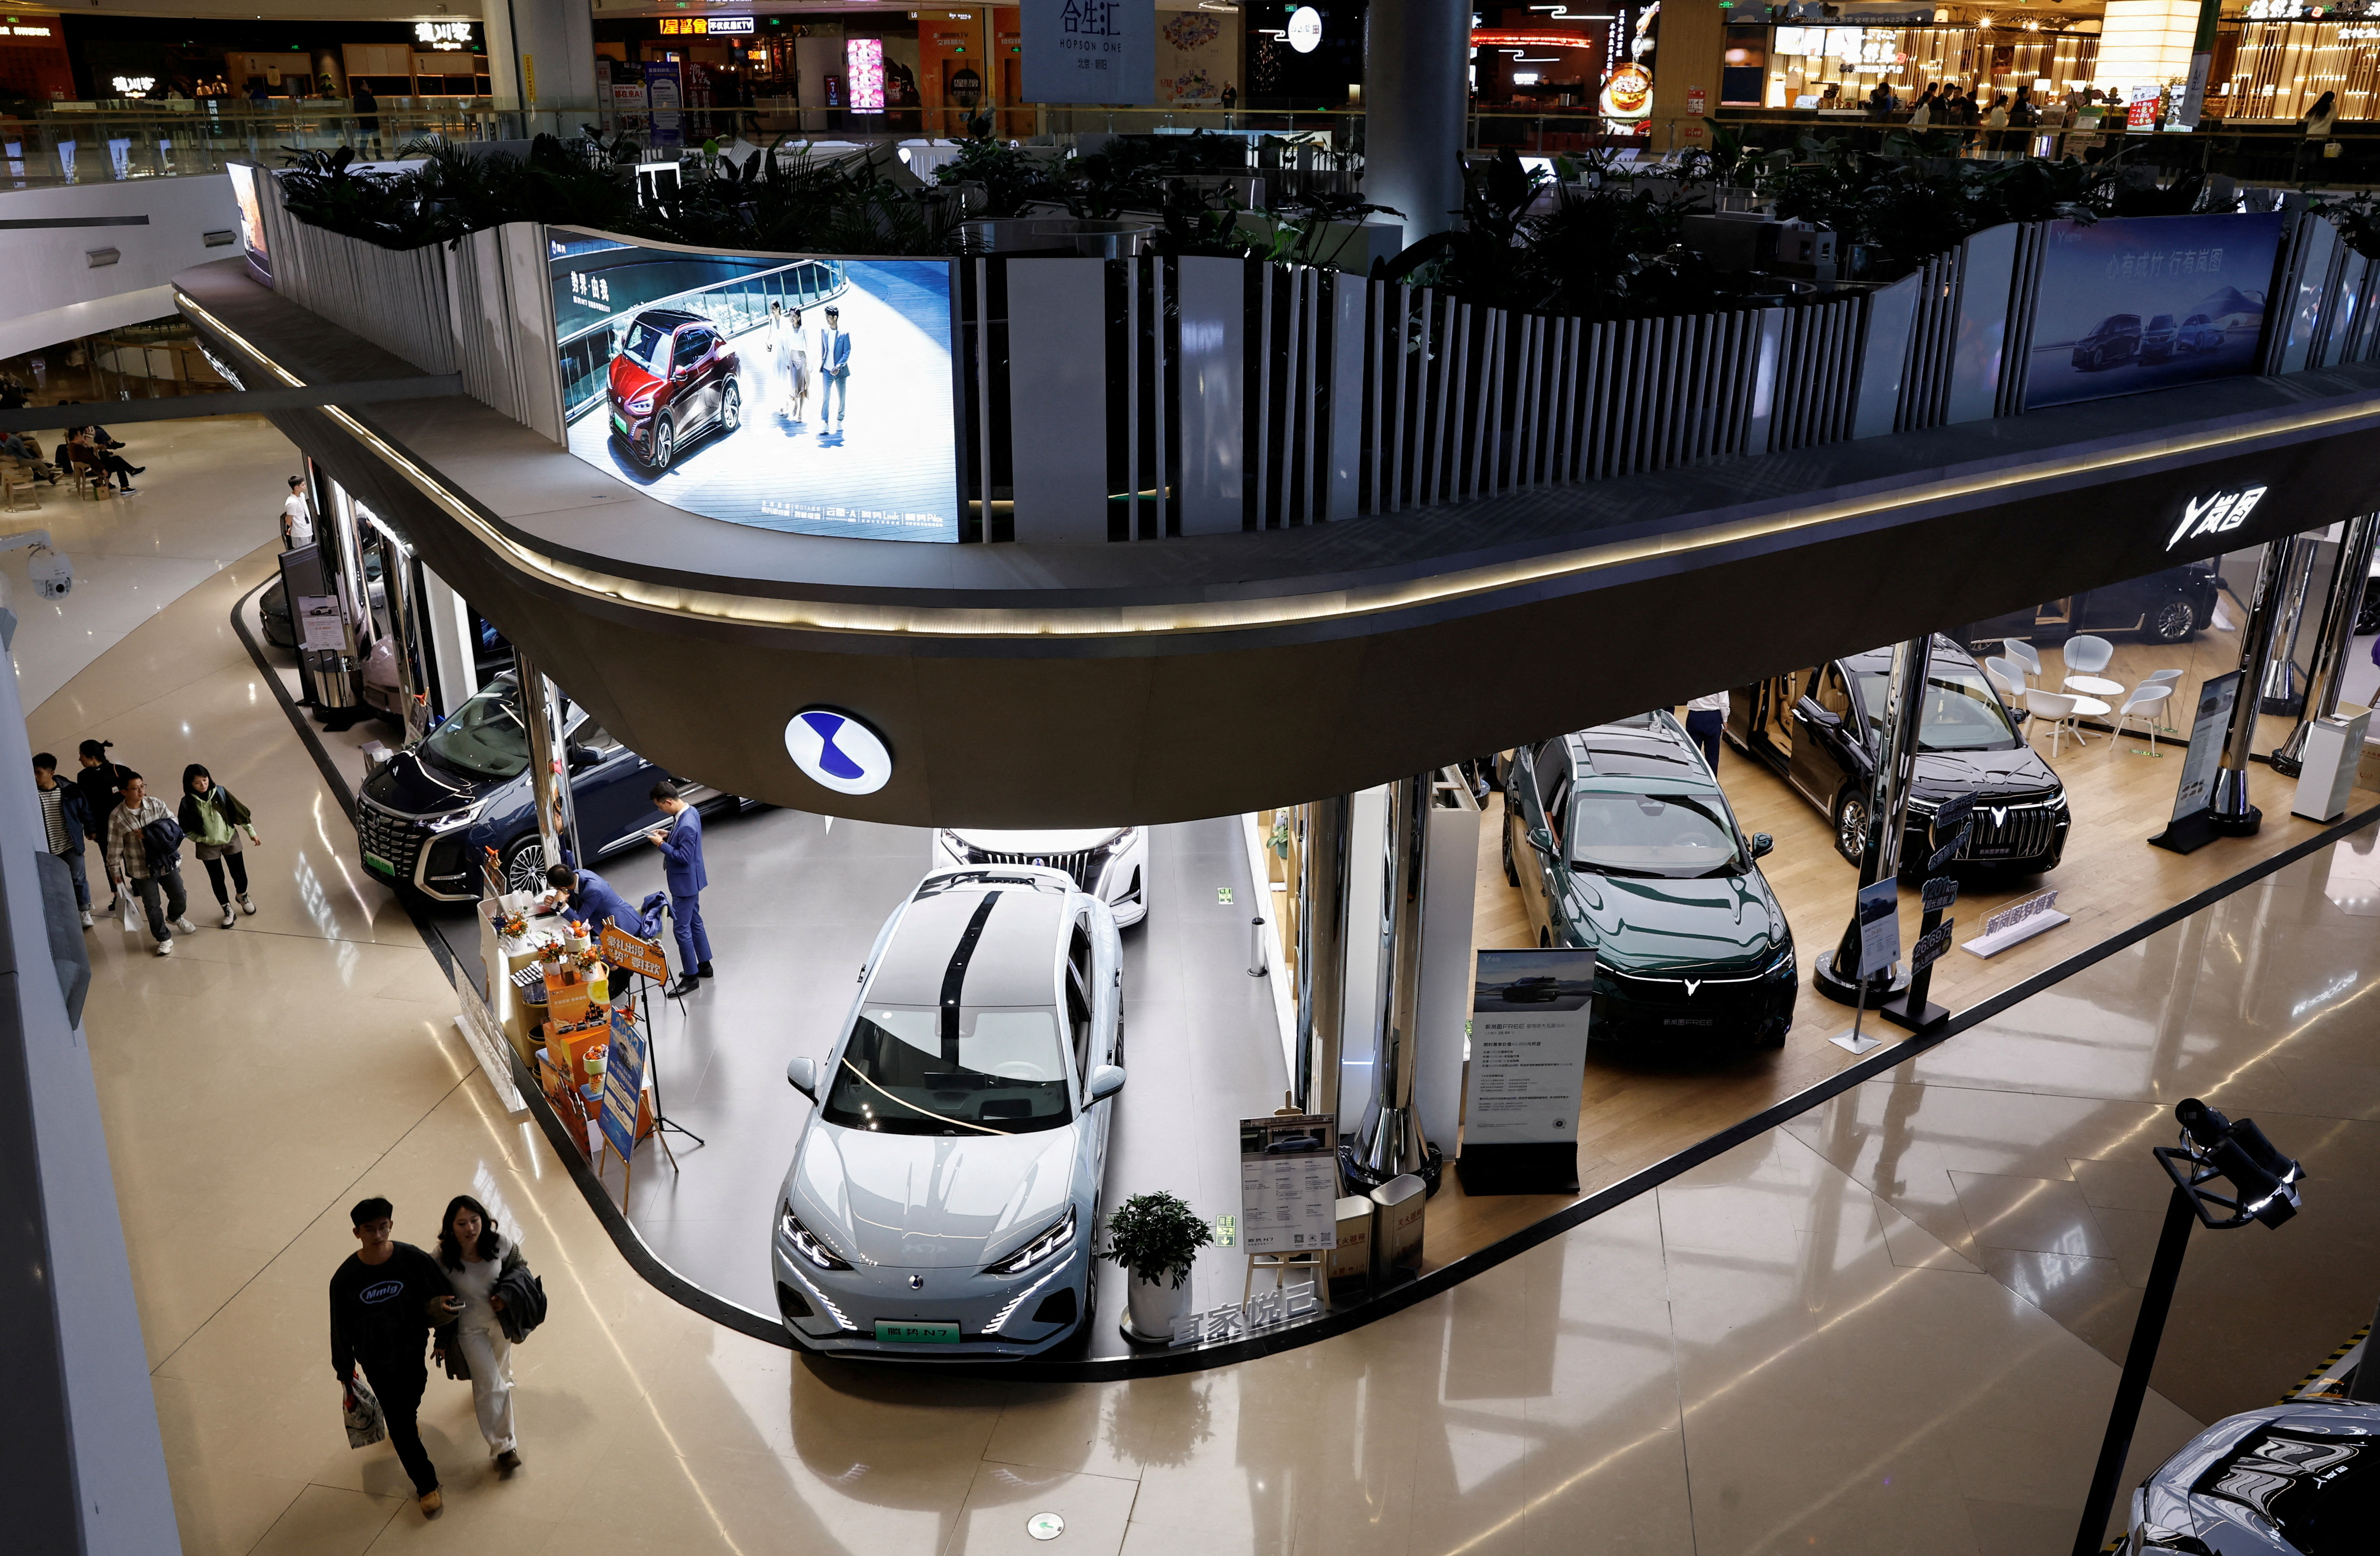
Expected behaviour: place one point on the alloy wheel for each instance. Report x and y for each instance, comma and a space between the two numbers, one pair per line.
1851, 828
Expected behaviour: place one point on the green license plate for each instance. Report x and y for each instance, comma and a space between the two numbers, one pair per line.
915, 1334
619, 423
374, 861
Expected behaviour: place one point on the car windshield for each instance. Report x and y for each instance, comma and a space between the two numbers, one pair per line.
485, 738
1650, 834
647, 346
909, 1070
1961, 714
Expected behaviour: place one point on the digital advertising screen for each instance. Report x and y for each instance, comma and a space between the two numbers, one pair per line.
251, 220
799, 393
2148, 302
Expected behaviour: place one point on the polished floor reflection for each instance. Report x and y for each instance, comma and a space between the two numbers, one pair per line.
1884, 1328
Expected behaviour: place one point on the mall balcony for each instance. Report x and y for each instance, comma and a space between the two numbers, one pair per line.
1380, 673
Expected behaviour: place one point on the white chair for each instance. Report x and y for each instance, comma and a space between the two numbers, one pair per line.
2147, 703
2087, 655
2163, 678
2054, 710
2024, 653
2008, 679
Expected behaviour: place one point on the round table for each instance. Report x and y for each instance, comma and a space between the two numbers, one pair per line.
2095, 686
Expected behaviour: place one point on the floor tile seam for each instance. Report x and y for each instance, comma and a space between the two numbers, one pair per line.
374, 1496
332, 1205
1677, 1367
130, 708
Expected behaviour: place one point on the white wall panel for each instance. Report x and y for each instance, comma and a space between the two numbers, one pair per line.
1982, 323
1056, 396
1214, 392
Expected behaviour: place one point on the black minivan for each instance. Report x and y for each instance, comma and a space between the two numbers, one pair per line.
1822, 728
428, 816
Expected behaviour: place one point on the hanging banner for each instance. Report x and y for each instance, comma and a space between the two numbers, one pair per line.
1090, 51
1529, 1015
1288, 1183
623, 1084
2207, 732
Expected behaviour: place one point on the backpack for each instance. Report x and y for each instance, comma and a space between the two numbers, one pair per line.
163, 840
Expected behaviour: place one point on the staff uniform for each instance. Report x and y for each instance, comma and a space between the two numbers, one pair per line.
682, 870
593, 902
1705, 716
379, 1321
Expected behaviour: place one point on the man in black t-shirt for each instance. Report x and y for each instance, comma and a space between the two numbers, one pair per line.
385, 1299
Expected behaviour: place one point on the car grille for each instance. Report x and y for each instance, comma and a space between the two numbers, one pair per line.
2020, 831
1083, 865
387, 837
1647, 1006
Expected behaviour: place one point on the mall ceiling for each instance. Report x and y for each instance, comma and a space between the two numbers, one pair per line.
1030, 685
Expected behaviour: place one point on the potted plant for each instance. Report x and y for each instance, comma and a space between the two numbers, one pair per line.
1155, 1238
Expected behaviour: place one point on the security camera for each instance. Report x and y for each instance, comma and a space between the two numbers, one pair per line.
51, 572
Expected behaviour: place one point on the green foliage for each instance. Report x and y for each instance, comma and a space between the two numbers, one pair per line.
2357, 217
1157, 1237
1008, 176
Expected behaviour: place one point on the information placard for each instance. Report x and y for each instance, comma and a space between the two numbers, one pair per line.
1529, 1017
623, 1084
623, 950
1879, 922
1090, 51
1288, 1183
2206, 734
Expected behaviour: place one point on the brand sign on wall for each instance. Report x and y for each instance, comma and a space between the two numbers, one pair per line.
1090, 51
2148, 303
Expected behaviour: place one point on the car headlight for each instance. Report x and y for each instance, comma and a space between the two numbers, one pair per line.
453, 819
640, 405
961, 849
2057, 800
1122, 840
1782, 970
1057, 1237
807, 1243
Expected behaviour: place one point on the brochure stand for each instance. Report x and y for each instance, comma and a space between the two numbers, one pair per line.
2192, 824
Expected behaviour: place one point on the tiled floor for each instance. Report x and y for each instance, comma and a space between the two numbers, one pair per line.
1885, 1327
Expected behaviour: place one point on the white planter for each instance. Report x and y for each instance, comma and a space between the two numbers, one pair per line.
1152, 1305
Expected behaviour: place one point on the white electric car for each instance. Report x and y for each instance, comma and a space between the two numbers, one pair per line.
2298, 1479
943, 1194
1111, 863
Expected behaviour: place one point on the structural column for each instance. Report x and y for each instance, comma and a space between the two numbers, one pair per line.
2333, 638
2280, 690
540, 54
1417, 69
2229, 814
1389, 1142
1321, 950
1887, 813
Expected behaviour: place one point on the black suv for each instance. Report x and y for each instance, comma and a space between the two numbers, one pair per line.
1619, 839
2169, 606
2115, 342
1822, 729
428, 816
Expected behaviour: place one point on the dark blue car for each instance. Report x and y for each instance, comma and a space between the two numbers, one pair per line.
428, 816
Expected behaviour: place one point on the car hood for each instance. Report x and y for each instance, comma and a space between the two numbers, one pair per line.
405, 784
628, 380
1643, 925
931, 1202
1941, 775
1056, 840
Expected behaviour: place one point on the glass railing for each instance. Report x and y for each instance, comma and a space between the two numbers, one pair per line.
75, 143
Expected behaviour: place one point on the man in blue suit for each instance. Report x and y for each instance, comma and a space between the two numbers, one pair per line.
834, 368
680, 847
592, 902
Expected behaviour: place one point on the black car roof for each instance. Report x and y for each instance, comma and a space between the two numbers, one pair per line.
671, 317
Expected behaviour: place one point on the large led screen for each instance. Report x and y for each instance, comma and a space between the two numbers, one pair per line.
2149, 302
809, 394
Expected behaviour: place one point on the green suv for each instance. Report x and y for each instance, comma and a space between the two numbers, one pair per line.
1619, 838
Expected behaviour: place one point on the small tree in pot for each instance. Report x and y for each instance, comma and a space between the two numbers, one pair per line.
1155, 1238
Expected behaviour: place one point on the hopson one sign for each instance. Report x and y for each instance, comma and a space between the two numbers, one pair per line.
2214, 514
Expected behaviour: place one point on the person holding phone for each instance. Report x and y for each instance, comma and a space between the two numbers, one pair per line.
386, 1298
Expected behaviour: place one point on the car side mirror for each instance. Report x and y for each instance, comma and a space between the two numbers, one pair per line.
802, 1075
1541, 840
1761, 843
1813, 714
1106, 1081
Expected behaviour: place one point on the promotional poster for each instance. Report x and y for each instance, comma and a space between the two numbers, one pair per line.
1529, 1015
806, 394
1090, 51
2149, 302
1288, 1183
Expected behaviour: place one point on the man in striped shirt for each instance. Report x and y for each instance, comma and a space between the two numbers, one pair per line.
66, 819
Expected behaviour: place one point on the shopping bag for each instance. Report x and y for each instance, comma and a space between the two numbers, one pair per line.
366, 1423
134, 921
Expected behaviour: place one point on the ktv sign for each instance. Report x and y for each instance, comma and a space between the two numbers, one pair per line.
2215, 515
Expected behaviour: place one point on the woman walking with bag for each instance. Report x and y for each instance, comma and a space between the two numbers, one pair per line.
102, 782
480, 1263
212, 818
144, 847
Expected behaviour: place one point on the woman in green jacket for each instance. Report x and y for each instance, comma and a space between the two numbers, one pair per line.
212, 818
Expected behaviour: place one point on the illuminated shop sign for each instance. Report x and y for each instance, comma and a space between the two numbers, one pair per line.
443, 36
836, 751
2213, 516
721, 27
726, 25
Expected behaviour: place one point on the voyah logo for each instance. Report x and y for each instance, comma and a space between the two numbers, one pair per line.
838, 752
381, 1293
2213, 515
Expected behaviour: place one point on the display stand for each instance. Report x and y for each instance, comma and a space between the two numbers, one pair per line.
2019, 922
662, 1122
1529, 1167
2192, 824
1910, 1009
